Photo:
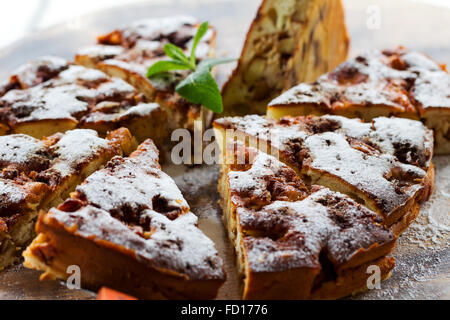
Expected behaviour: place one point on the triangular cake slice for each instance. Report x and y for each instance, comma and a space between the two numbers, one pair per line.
387, 170
37, 174
295, 243
50, 95
289, 42
400, 83
129, 228
130, 50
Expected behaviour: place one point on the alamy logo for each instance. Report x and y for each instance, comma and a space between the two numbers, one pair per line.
374, 17
74, 280
374, 281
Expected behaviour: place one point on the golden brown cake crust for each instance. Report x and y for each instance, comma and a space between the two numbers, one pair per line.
132, 213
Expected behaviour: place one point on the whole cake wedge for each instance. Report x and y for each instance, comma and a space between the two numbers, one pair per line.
129, 51
399, 83
385, 165
289, 42
293, 242
50, 95
128, 227
38, 174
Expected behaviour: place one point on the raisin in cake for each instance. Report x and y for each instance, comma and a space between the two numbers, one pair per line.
129, 228
296, 243
129, 51
288, 42
398, 83
385, 165
50, 95
37, 174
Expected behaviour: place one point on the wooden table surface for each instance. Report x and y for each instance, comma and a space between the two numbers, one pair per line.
423, 252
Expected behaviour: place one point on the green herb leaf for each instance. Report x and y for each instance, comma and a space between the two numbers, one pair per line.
166, 66
210, 63
176, 53
201, 88
198, 36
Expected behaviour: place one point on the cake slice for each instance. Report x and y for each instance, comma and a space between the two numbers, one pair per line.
399, 83
390, 172
296, 243
129, 51
30, 74
59, 97
289, 42
129, 228
37, 174
34, 72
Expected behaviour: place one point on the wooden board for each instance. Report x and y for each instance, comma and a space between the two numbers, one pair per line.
423, 252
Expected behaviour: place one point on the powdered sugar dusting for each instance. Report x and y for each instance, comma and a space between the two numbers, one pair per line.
432, 89
10, 193
101, 51
76, 147
28, 74
331, 152
134, 184
153, 28
391, 135
325, 219
68, 96
19, 149
432, 228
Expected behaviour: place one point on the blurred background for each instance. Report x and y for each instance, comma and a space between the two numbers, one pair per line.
31, 28
20, 17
